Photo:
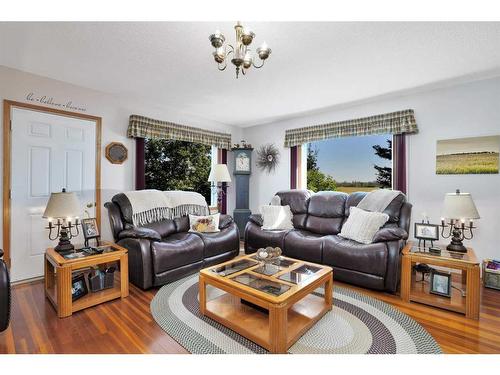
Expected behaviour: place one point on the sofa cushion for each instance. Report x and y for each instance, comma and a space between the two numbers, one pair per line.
298, 200
204, 224
305, 245
276, 217
352, 255
326, 212
256, 238
362, 225
175, 251
220, 242
165, 227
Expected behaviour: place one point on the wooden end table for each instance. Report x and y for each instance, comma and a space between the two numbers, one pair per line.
265, 308
467, 263
59, 272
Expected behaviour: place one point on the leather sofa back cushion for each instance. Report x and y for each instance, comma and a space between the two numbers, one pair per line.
326, 212
182, 224
330, 204
164, 228
393, 209
323, 225
298, 200
125, 207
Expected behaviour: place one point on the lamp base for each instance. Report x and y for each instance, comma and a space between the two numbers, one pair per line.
64, 242
63, 248
457, 247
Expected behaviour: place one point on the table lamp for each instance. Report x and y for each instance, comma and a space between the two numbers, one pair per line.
62, 208
219, 173
457, 208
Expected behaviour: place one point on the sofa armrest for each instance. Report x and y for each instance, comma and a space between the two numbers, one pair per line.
390, 234
225, 221
257, 219
140, 261
140, 233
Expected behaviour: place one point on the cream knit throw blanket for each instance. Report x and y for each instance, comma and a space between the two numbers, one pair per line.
378, 200
149, 206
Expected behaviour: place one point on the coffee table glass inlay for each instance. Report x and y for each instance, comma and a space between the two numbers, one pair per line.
271, 304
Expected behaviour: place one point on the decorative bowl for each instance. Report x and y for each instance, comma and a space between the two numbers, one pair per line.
268, 254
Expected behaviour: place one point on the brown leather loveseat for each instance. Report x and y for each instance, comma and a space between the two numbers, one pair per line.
166, 251
317, 220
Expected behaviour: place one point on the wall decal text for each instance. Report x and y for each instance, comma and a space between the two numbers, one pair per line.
49, 100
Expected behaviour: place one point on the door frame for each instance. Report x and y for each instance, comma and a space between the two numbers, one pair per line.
8, 105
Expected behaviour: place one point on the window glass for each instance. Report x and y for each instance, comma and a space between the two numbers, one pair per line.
349, 164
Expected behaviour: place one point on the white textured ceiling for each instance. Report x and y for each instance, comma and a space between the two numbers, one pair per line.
312, 65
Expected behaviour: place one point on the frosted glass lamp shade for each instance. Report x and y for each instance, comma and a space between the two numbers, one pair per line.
219, 173
62, 205
459, 206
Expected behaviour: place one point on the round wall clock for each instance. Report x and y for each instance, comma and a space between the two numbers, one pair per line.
116, 153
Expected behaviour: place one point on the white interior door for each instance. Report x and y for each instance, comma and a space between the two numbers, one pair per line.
49, 152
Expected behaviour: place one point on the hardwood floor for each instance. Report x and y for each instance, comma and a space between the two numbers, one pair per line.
119, 326
126, 326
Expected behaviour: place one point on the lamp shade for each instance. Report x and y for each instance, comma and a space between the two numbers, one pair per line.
459, 206
62, 205
219, 173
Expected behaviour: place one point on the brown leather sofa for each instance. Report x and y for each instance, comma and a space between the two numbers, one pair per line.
165, 251
318, 218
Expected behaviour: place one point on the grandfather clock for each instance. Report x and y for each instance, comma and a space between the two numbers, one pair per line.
242, 170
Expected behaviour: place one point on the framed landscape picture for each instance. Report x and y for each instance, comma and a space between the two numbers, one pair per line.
475, 155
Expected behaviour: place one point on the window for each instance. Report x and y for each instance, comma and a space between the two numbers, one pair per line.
178, 165
349, 164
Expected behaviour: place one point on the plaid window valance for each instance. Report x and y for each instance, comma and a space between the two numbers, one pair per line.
144, 127
387, 123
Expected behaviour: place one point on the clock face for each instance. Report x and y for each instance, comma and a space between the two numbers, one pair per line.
242, 162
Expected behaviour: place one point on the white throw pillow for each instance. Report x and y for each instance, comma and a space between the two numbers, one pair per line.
362, 225
276, 217
204, 224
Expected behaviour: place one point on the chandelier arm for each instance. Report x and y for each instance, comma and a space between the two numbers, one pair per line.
223, 68
259, 66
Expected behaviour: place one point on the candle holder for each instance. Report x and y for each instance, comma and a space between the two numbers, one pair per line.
458, 233
64, 232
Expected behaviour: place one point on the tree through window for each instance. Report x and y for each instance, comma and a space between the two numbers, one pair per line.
177, 165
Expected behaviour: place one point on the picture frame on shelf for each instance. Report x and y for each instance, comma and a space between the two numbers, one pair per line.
78, 287
440, 283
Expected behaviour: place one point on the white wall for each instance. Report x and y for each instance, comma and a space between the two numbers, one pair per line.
115, 111
471, 109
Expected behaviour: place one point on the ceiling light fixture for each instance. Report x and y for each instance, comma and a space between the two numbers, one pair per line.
242, 55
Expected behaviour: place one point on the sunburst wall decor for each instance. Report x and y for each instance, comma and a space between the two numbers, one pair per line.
268, 157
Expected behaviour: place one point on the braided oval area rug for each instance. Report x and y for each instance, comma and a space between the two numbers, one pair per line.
357, 324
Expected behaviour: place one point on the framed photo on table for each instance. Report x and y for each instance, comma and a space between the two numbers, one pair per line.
90, 230
440, 283
426, 231
78, 287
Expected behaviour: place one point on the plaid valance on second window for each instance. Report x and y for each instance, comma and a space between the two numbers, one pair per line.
387, 123
144, 127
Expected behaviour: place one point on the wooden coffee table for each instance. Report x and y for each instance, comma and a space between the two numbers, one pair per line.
272, 305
